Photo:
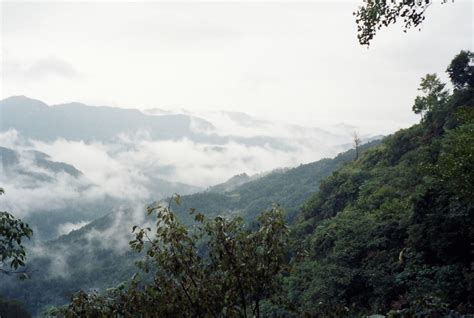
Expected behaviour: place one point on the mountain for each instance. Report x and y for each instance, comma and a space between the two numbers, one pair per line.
93, 257
123, 157
385, 230
232, 183
97, 204
10, 160
388, 233
53, 196
287, 187
62, 266
200, 148
393, 230
75, 121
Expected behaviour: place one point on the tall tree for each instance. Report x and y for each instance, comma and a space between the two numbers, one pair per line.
434, 94
461, 70
357, 142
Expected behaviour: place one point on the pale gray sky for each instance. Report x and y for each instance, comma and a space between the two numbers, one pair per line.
298, 61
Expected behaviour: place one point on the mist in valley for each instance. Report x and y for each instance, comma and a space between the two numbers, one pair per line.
219, 112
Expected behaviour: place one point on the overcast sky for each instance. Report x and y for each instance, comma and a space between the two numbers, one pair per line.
295, 61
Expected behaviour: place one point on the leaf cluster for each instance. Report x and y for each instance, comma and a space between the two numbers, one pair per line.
12, 251
218, 268
375, 14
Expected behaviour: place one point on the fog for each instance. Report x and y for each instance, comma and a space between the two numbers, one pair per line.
116, 179
276, 59
132, 169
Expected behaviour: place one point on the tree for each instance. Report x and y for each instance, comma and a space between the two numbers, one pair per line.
357, 143
456, 160
12, 232
434, 92
375, 14
461, 71
218, 268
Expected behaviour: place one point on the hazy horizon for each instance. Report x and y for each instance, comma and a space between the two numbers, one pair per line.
285, 61
252, 158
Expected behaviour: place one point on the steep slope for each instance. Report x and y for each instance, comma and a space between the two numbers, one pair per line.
394, 229
287, 187
97, 255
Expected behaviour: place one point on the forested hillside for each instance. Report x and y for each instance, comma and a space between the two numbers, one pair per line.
393, 230
237, 159
97, 256
390, 232
79, 260
288, 188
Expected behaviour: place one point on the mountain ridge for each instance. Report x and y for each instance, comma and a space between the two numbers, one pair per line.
113, 226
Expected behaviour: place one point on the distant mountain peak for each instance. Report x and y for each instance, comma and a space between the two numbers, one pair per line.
10, 162
232, 183
22, 100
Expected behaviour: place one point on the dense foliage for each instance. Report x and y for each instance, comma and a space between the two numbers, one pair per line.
393, 231
12, 232
78, 261
12, 257
219, 268
389, 232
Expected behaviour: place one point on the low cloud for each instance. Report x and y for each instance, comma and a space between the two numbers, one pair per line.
135, 168
68, 227
39, 69
125, 168
51, 66
62, 256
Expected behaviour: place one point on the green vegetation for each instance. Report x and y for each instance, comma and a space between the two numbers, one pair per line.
219, 268
12, 257
84, 263
288, 188
435, 95
461, 71
394, 229
70, 263
386, 228
12, 252
388, 233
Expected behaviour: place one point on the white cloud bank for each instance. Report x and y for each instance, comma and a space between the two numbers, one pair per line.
130, 168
